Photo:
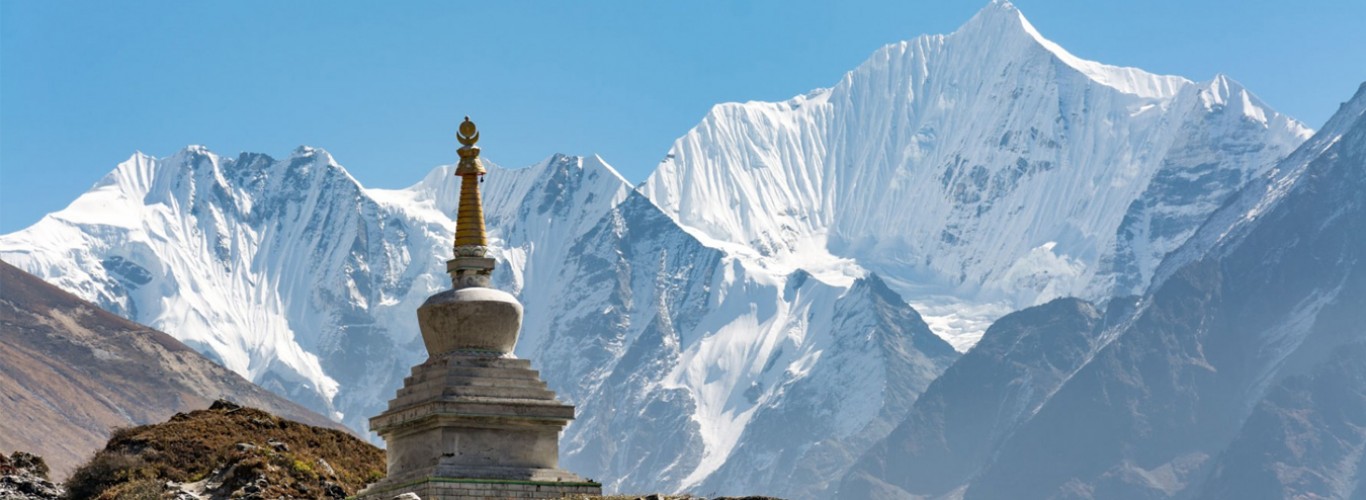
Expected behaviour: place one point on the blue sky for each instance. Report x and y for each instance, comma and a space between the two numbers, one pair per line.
382, 85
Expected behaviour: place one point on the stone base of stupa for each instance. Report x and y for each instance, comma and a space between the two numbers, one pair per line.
458, 488
475, 425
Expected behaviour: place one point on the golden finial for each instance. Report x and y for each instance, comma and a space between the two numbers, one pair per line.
469, 153
468, 134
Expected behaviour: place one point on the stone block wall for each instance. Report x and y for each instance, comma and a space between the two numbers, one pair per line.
451, 489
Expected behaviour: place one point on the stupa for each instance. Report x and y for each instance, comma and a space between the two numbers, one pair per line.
473, 420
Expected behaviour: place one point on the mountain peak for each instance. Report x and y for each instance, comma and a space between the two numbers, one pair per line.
1002, 23
595, 161
998, 14
306, 151
559, 163
194, 151
1222, 91
1001, 19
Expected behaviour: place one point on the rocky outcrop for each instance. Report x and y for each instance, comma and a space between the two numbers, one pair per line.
23, 476
228, 451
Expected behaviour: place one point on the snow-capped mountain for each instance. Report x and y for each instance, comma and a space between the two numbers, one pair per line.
289, 272
678, 346
294, 275
979, 172
284, 271
1238, 375
724, 327
698, 364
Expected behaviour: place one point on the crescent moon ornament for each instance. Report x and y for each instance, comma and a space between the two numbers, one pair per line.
468, 134
467, 140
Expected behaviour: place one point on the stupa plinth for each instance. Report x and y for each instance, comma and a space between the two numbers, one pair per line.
473, 420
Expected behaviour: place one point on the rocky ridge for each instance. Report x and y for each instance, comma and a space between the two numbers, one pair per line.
1237, 375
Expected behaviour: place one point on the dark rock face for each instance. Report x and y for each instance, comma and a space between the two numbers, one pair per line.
964, 414
1148, 401
1279, 288
1306, 437
1237, 375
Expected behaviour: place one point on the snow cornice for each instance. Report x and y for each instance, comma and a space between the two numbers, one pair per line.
1003, 17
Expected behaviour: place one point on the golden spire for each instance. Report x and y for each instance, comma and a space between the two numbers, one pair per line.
470, 239
471, 265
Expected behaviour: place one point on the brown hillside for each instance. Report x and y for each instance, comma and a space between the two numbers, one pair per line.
71, 372
229, 451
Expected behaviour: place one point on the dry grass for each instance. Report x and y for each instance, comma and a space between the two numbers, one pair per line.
234, 448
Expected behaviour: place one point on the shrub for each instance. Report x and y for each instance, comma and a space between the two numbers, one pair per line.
104, 470
141, 489
303, 468
30, 462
